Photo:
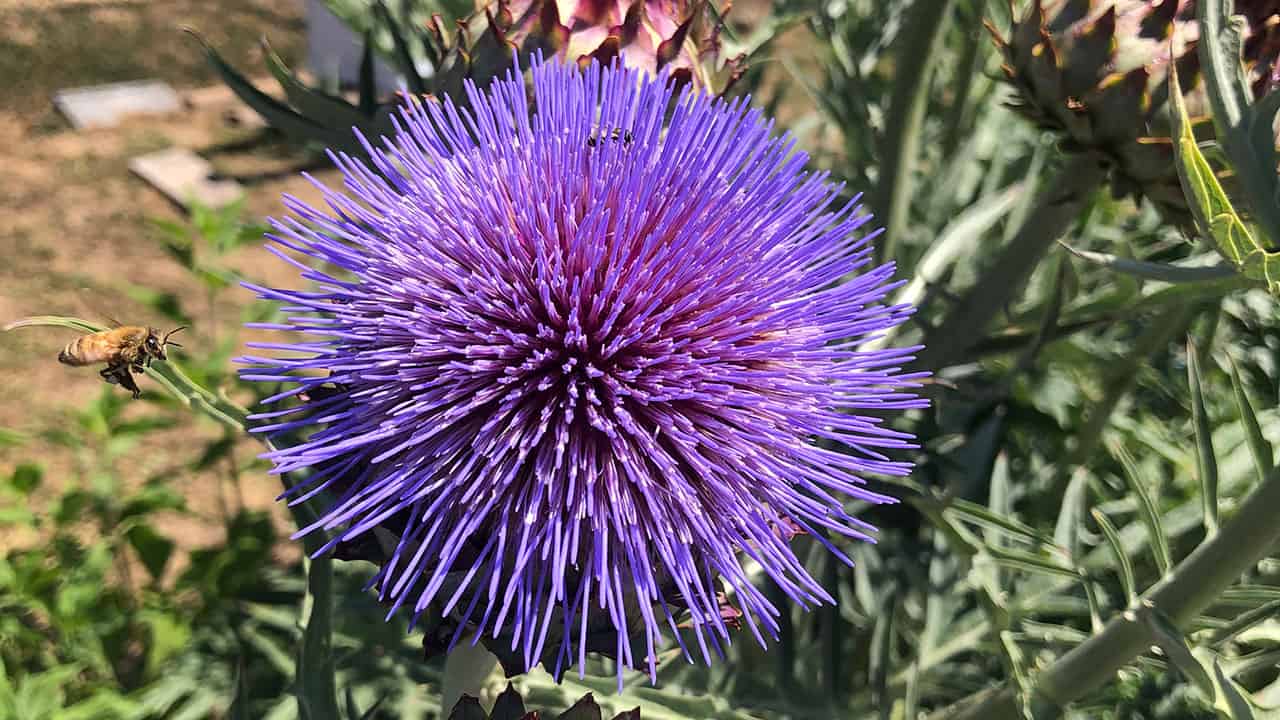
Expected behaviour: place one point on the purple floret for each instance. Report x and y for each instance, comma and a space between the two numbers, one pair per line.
587, 363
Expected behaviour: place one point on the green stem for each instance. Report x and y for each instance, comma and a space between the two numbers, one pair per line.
1057, 208
1191, 587
916, 49
465, 672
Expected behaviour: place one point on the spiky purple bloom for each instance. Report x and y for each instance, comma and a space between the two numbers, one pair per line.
587, 373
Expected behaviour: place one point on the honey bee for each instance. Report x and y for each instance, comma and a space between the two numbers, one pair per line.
615, 134
126, 349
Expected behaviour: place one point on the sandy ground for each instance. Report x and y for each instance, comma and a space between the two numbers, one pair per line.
75, 226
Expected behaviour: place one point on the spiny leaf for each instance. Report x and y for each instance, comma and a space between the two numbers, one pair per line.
1020, 560
1122, 558
316, 684
276, 113
1258, 446
1205, 460
404, 58
1238, 707
1246, 620
1148, 511
311, 103
1174, 644
1164, 272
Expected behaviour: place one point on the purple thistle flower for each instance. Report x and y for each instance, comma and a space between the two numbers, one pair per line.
585, 362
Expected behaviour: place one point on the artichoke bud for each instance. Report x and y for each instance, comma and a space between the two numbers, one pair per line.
1096, 73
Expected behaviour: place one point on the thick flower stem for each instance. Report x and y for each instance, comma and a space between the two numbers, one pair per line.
913, 57
465, 671
1191, 587
1058, 206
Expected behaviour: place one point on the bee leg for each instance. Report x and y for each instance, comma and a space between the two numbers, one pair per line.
127, 382
109, 374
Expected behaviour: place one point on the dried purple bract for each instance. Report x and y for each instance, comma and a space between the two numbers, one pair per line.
588, 380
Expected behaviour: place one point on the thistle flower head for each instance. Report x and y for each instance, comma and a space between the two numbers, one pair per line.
581, 364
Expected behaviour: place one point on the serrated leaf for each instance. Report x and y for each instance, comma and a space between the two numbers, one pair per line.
1214, 214
1206, 462
1117, 549
1174, 644
1147, 510
1239, 124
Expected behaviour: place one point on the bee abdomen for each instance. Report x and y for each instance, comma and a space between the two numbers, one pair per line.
74, 354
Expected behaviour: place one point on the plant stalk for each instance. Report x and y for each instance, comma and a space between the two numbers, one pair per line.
1058, 206
916, 48
465, 671
1191, 587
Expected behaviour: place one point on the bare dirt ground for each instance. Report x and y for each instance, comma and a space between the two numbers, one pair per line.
75, 226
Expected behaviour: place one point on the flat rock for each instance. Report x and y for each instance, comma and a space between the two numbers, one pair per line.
102, 106
184, 178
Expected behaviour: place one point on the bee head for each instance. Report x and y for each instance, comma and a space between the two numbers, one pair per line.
156, 343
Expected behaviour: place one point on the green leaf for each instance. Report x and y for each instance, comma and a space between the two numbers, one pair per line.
1174, 645
1258, 446
1066, 531
1147, 510
154, 550
1122, 558
313, 104
1164, 272
1215, 217
1240, 125
26, 478
1206, 462
978, 515
1246, 620
368, 82
276, 113
404, 59
239, 709
1237, 706
316, 685
1030, 562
